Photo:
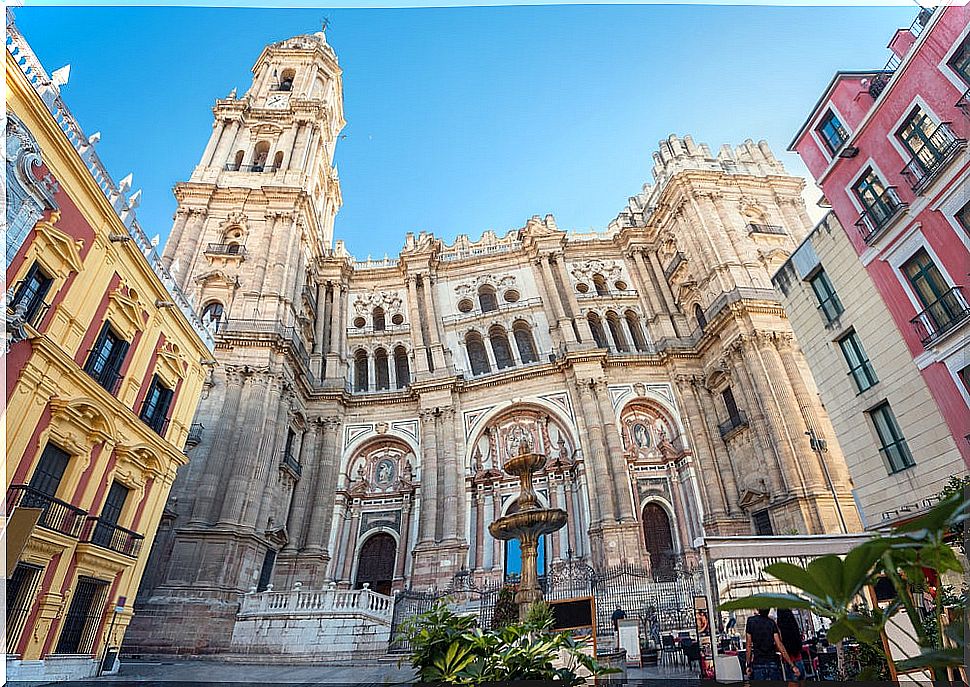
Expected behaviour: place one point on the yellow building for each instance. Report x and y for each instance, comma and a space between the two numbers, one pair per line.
106, 362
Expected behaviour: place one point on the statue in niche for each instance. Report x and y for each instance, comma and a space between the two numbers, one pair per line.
641, 436
385, 472
518, 441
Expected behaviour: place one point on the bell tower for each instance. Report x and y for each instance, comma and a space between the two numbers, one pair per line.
254, 221
260, 205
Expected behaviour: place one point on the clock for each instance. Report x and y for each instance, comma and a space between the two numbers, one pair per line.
278, 101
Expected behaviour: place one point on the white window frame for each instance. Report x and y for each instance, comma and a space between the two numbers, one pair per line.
904, 154
947, 70
820, 142
850, 187
906, 248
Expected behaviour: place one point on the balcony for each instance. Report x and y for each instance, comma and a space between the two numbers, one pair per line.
289, 462
766, 229
258, 169
233, 250
877, 84
285, 86
940, 148
195, 434
733, 424
57, 515
113, 537
942, 316
880, 213
674, 264
964, 103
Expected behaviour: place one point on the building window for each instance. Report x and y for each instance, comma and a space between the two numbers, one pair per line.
633, 323
212, 315
266, 572
916, 134
154, 409
832, 132
83, 616
762, 523
963, 217
699, 316
107, 526
880, 202
401, 369
893, 445
859, 366
105, 359
360, 371
378, 319
599, 283
960, 62
828, 300
596, 327
487, 299
30, 294
21, 588
47, 476
730, 404
613, 322
931, 289
501, 350
964, 375
477, 357
381, 370
523, 341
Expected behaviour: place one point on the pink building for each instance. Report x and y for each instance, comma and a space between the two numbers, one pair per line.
888, 147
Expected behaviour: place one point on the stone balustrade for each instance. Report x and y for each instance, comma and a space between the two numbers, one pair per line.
298, 602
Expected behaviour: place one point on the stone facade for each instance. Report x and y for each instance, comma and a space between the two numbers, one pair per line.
885, 496
355, 428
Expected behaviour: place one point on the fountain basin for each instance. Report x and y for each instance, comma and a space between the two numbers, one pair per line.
524, 464
528, 524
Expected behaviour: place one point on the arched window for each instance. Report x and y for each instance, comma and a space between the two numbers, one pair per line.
260, 153
487, 299
382, 377
477, 357
378, 319
658, 536
233, 248
238, 160
375, 563
501, 350
613, 322
212, 315
633, 324
286, 79
523, 341
360, 370
278, 160
596, 326
699, 316
599, 283
401, 369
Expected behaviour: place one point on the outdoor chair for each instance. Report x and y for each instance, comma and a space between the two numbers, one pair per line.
669, 649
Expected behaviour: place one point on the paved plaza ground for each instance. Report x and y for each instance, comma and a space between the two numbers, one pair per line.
225, 674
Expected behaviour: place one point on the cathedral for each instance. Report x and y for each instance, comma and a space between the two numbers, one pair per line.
353, 430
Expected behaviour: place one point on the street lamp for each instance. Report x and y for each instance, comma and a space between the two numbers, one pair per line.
819, 447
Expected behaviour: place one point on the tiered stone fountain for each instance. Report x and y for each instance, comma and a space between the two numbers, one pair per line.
527, 524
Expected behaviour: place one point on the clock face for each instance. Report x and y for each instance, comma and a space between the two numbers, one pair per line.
278, 100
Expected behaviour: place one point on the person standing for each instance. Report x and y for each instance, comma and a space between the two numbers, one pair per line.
763, 641
791, 637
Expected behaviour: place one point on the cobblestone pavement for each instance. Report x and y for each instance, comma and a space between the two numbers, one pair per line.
183, 673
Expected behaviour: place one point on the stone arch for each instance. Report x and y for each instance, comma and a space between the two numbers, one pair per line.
647, 410
375, 560
367, 444
534, 406
659, 534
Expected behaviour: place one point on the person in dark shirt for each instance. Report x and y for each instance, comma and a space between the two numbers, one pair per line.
791, 637
763, 641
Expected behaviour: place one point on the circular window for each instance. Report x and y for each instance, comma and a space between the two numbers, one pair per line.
465, 305
620, 286
397, 319
511, 296
360, 322
582, 288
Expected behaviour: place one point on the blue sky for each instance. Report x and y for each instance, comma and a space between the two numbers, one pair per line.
463, 119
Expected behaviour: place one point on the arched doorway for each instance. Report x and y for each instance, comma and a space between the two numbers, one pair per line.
375, 563
659, 540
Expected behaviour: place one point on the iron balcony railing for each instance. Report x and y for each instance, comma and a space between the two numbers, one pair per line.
195, 434
285, 86
941, 316
766, 229
226, 249
878, 83
32, 313
734, 422
291, 463
933, 157
57, 515
111, 536
250, 168
964, 103
880, 213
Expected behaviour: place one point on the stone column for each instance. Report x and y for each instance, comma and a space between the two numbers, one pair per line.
434, 323
786, 349
704, 449
429, 478
670, 305
263, 249
596, 458
582, 325
324, 488
192, 252
478, 527
551, 303
402, 550
218, 128
487, 546
300, 506
417, 333
575, 522
245, 448
271, 448
175, 237
350, 553
219, 452
221, 157
616, 463
450, 503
